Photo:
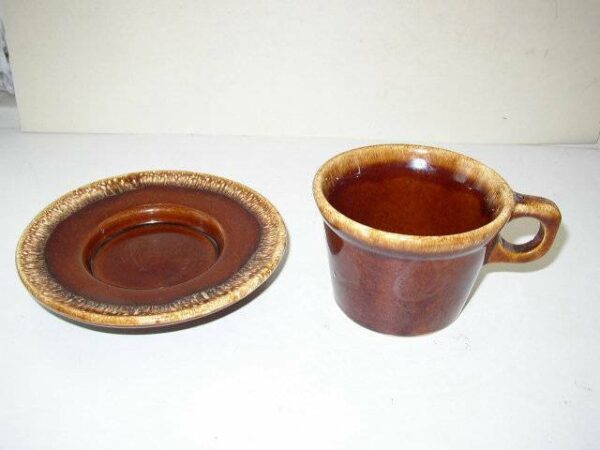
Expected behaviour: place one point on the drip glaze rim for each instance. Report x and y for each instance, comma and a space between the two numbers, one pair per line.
496, 190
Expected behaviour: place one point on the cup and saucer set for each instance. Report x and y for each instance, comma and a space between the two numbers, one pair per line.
408, 229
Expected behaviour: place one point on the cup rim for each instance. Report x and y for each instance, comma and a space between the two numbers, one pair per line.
501, 193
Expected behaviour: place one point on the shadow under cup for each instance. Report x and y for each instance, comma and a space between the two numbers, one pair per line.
409, 227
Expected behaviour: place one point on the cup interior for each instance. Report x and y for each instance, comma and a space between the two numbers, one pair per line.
413, 190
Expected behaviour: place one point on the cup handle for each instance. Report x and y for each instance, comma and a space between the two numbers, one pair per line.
544, 210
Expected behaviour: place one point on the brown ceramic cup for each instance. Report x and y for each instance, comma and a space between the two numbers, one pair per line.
409, 227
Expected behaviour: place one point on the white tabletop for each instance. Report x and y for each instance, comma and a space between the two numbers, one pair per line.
519, 369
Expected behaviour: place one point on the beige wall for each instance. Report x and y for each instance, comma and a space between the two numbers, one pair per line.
487, 71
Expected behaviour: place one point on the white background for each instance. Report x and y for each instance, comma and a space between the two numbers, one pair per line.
519, 369
417, 70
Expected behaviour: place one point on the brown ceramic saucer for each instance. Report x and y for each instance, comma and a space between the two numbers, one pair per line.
150, 249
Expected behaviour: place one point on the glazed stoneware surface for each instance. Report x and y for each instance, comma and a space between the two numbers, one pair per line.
150, 249
409, 227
